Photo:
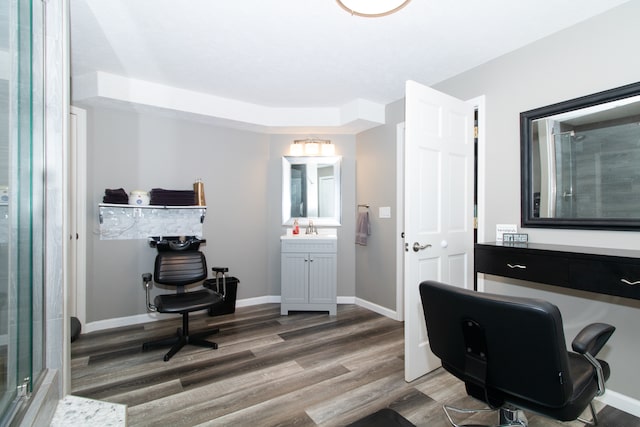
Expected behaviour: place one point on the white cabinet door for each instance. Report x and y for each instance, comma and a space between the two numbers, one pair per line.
322, 278
295, 278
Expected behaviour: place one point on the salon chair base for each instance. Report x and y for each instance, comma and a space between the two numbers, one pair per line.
183, 338
508, 416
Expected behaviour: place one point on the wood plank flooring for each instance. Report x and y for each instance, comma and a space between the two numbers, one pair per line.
305, 369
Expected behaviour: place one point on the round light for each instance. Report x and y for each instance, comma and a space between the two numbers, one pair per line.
372, 8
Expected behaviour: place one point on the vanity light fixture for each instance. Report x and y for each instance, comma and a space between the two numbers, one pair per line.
296, 148
372, 8
327, 148
312, 147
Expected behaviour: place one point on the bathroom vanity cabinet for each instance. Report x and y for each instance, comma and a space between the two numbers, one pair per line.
309, 274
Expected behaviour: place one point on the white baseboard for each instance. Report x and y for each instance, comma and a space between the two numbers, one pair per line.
101, 325
392, 314
346, 300
621, 402
269, 299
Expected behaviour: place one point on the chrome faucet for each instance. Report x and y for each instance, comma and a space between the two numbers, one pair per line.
311, 229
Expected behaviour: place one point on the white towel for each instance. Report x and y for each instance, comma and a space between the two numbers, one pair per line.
363, 228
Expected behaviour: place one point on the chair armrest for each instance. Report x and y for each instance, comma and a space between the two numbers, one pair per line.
592, 338
588, 343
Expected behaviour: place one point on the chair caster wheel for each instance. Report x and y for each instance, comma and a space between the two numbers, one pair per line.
145, 347
166, 357
215, 346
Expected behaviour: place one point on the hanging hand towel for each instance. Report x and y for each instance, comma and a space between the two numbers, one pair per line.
363, 228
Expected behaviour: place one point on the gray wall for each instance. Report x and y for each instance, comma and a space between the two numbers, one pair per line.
376, 181
345, 147
593, 56
242, 176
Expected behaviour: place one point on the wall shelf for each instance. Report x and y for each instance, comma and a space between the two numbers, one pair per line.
122, 222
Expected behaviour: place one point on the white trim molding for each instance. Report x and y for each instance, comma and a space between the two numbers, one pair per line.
100, 87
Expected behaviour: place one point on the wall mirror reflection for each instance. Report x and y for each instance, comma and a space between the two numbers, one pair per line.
311, 189
581, 162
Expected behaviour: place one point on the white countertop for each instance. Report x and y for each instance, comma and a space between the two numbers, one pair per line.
323, 233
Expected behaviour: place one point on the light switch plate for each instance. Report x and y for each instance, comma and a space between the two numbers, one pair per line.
384, 212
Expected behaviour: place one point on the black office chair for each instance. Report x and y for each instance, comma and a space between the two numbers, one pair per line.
180, 269
511, 353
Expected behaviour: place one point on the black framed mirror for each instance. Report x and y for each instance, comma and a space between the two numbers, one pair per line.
580, 162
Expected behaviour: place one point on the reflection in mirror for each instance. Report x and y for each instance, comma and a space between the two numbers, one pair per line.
311, 189
581, 162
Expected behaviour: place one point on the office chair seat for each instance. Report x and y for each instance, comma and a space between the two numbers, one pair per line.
187, 301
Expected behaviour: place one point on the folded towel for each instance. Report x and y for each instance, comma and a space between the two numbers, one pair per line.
363, 228
115, 196
162, 197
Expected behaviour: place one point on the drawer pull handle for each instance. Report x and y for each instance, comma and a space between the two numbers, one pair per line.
626, 282
523, 267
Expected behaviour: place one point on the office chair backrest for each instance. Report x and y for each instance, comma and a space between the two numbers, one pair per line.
498, 345
180, 268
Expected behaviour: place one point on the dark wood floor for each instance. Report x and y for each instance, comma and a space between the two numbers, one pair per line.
305, 369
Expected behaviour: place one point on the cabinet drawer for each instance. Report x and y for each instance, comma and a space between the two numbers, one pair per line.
519, 264
309, 245
613, 278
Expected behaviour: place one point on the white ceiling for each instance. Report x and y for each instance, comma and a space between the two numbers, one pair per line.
284, 56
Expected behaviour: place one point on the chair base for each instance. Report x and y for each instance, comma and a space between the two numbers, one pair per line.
180, 340
509, 416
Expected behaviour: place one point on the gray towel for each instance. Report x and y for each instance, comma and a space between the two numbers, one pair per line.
363, 228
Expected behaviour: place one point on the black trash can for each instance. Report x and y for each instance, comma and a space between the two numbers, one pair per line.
225, 285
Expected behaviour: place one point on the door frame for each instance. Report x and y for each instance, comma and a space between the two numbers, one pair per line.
77, 184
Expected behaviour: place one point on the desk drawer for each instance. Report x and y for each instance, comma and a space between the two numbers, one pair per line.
613, 278
519, 264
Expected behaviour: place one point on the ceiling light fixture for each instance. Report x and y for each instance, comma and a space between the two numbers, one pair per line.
372, 8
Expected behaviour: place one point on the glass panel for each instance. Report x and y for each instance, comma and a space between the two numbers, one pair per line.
7, 372
21, 200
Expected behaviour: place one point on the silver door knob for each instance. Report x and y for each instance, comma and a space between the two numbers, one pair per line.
417, 247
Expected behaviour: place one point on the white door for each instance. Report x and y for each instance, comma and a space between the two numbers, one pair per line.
438, 208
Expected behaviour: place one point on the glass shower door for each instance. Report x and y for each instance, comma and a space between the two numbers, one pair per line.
565, 175
21, 198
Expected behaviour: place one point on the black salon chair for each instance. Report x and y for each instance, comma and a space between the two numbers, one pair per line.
180, 269
511, 353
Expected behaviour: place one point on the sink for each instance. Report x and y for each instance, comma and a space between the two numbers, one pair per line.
323, 233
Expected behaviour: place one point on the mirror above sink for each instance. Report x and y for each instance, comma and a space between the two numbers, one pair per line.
311, 190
